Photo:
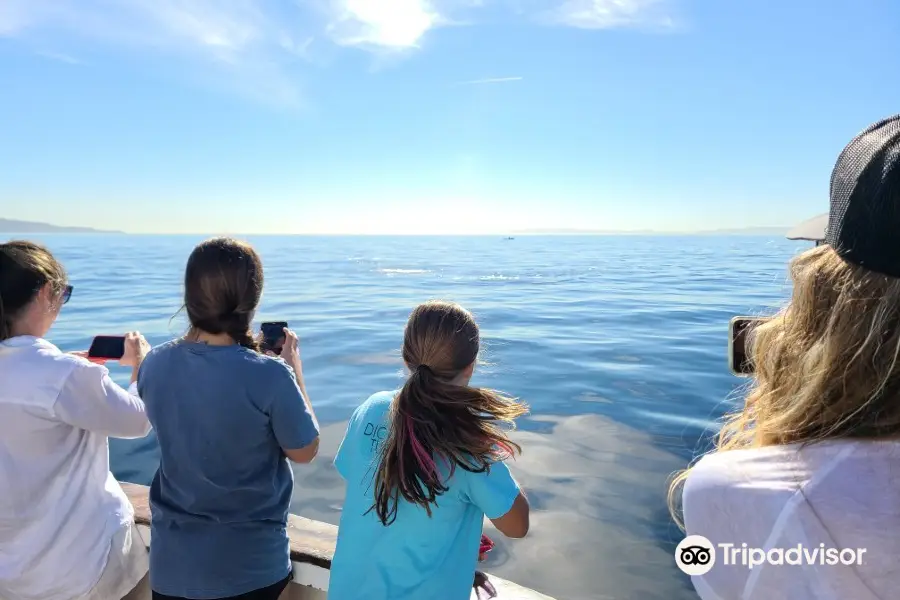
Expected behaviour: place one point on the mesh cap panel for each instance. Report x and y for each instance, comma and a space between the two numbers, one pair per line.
864, 220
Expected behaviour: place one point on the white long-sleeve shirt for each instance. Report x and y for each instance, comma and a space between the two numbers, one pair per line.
827, 514
60, 507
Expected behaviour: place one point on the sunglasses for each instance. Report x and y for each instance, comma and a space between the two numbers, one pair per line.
66, 294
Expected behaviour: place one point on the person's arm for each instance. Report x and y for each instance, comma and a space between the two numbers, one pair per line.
91, 400
293, 421
497, 494
516, 521
301, 383
290, 353
304, 455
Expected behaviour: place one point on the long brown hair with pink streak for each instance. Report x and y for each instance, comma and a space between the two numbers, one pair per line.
437, 419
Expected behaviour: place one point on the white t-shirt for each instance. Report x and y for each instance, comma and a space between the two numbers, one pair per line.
61, 510
827, 497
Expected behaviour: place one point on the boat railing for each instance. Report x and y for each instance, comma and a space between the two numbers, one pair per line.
312, 548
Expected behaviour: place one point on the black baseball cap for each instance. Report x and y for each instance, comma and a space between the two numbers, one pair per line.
863, 223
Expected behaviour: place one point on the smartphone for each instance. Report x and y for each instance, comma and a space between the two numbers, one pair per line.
111, 347
273, 335
738, 350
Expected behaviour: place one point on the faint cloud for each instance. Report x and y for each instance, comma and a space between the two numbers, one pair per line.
203, 24
254, 40
382, 24
254, 46
65, 58
490, 80
612, 14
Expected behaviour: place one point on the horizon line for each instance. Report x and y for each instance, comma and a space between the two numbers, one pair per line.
748, 232
37, 227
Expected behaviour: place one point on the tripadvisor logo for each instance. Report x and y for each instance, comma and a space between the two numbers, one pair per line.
695, 555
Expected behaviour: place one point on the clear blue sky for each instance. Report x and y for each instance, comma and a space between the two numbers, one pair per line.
393, 116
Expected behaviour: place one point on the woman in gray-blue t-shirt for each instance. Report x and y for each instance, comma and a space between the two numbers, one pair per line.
227, 418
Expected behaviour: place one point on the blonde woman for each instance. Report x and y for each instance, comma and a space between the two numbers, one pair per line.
810, 462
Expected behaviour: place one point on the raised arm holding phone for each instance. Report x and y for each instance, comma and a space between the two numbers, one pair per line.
57, 411
128, 350
276, 339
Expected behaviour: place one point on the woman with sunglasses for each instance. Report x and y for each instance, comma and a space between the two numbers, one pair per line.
66, 527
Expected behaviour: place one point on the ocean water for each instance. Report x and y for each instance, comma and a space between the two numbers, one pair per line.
618, 344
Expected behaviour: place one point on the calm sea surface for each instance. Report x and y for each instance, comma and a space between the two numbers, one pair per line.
617, 343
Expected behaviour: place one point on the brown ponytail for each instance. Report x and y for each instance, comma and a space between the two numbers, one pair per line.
223, 284
25, 267
239, 330
436, 422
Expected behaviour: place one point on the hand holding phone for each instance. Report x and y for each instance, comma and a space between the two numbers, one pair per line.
290, 353
129, 349
106, 347
136, 349
273, 336
739, 359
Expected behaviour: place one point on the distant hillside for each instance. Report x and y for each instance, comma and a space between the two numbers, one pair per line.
750, 231
13, 226
585, 232
773, 231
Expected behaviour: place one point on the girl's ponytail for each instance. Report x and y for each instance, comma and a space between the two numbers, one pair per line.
238, 328
435, 427
437, 422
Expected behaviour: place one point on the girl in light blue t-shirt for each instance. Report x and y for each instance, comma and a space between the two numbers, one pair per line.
424, 466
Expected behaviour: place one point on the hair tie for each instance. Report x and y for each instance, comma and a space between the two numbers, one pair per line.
422, 368
234, 318
229, 313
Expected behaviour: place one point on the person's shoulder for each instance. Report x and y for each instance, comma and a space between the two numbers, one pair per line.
165, 349
71, 371
377, 402
65, 362
380, 399
161, 353
72, 364
712, 471
266, 377
765, 467
267, 366
246, 361
733, 482
373, 408
371, 414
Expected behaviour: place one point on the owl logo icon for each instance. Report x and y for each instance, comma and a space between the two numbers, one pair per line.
695, 555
